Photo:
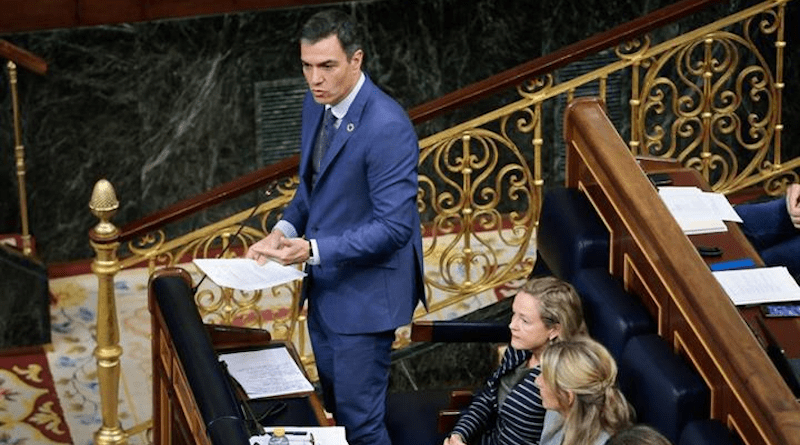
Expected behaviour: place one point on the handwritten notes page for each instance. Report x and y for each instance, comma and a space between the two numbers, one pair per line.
267, 372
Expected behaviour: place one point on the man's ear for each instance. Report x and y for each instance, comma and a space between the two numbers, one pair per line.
357, 58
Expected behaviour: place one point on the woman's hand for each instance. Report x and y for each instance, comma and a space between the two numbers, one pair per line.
454, 439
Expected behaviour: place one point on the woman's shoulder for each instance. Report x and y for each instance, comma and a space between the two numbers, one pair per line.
552, 432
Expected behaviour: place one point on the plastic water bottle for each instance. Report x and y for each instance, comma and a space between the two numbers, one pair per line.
278, 437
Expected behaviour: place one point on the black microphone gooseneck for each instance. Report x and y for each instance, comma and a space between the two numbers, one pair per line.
268, 193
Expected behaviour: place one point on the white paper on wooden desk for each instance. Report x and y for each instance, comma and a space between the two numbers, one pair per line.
246, 274
697, 211
323, 435
759, 285
267, 372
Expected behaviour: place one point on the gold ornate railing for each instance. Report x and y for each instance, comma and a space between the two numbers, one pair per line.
709, 98
18, 56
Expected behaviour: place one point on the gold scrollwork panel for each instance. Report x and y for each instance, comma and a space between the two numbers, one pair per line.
713, 103
478, 206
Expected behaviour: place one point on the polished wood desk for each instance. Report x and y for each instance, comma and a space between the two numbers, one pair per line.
658, 262
734, 246
189, 397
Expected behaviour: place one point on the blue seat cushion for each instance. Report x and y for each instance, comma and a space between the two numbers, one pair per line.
570, 235
708, 432
665, 391
612, 315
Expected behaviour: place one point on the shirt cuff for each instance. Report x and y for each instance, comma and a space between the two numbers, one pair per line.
314, 260
286, 227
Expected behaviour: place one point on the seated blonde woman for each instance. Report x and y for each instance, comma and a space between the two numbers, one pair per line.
509, 410
579, 389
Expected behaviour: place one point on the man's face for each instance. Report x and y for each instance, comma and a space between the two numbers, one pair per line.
330, 76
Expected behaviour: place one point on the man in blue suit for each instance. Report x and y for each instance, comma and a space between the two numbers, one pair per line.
772, 228
356, 209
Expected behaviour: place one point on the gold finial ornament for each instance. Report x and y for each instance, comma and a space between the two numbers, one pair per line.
104, 205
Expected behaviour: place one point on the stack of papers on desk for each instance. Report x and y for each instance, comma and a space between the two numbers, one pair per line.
697, 211
305, 435
759, 285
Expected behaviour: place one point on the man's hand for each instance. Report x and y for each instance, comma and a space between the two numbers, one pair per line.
291, 251
269, 243
278, 248
793, 203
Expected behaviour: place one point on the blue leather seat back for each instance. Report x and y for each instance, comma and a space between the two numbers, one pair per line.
612, 315
708, 432
665, 391
570, 235
209, 383
412, 416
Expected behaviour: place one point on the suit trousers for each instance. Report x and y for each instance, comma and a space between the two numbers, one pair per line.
354, 375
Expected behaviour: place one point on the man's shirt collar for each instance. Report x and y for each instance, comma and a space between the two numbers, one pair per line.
340, 110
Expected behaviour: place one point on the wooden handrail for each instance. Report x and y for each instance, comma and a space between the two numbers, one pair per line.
22, 58
432, 109
238, 187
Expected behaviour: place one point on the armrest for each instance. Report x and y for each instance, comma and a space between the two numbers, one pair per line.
460, 331
447, 420
233, 337
460, 398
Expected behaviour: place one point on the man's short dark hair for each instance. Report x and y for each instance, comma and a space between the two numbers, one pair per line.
333, 22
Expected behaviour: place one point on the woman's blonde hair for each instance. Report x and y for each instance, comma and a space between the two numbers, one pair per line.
559, 303
640, 434
585, 368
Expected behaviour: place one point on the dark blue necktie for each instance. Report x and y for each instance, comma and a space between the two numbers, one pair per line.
326, 133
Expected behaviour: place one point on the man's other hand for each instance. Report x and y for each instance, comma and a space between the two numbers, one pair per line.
793, 203
269, 243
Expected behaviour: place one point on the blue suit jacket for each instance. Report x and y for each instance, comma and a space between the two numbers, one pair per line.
363, 214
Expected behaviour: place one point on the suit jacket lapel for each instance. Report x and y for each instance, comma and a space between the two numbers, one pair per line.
310, 138
348, 125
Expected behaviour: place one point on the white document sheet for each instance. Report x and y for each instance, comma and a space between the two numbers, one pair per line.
301, 435
266, 372
246, 274
759, 285
697, 211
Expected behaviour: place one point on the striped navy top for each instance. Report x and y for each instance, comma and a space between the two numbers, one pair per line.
518, 420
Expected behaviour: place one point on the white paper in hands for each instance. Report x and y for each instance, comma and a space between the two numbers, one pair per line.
246, 274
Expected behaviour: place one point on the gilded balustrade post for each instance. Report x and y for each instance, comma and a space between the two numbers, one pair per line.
19, 155
104, 238
780, 45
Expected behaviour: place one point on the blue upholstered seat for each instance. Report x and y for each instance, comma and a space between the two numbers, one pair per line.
612, 315
665, 391
708, 432
570, 235
412, 416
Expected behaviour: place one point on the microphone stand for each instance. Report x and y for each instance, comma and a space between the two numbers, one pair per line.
267, 193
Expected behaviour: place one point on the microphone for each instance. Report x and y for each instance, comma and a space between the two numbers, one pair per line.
268, 192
